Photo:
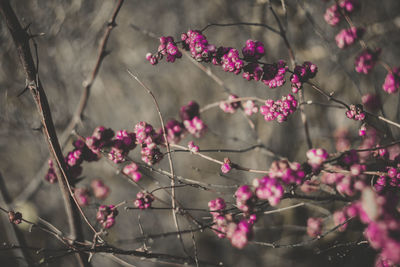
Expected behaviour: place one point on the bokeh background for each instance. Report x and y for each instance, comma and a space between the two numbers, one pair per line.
68, 50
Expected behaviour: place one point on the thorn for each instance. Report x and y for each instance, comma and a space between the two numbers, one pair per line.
105, 53
31, 36
27, 27
23, 91
38, 128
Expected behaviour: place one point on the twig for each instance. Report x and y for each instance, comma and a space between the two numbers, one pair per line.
169, 155
300, 244
240, 23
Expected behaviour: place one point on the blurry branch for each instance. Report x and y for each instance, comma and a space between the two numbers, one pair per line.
77, 117
153, 257
304, 243
292, 57
171, 167
87, 84
15, 235
21, 40
240, 23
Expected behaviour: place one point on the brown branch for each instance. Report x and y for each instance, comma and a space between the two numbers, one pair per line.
78, 113
21, 40
15, 234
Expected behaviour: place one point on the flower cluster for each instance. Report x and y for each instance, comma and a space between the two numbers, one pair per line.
269, 189
238, 232
231, 61
143, 200
174, 131
149, 140
132, 170
15, 217
366, 60
250, 107
347, 37
100, 190
332, 14
392, 81
301, 74
287, 172
314, 227
106, 215
253, 50
391, 180
349, 183
197, 44
316, 157
190, 115
192, 147
82, 196
280, 109
371, 101
167, 48
231, 105
356, 112
226, 166
274, 74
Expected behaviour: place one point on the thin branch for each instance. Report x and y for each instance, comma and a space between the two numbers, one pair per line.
173, 200
240, 24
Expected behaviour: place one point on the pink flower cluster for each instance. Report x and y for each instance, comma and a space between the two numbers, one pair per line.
250, 107
149, 140
274, 74
392, 81
82, 196
51, 175
124, 142
366, 60
132, 170
252, 71
190, 115
192, 147
15, 217
226, 166
143, 200
174, 131
314, 226
347, 184
245, 198
167, 48
231, 61
379, 212
253, 50
269, 189
228, 58
347, 37
106, 215
316, 157
391, 180
280, 109
230, 106
287, 172
301, 74
100, 190
356, 112
225, 227
371, 101
332, 15
198, 46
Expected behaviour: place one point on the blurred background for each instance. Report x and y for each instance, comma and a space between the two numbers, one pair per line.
68, 50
